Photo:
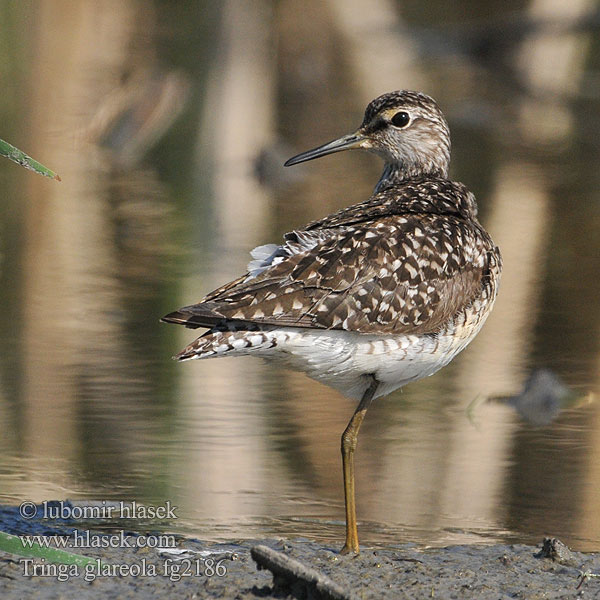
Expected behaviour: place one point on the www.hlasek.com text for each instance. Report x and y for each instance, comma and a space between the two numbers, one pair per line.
86, 539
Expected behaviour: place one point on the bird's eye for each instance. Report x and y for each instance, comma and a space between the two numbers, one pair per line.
401, 119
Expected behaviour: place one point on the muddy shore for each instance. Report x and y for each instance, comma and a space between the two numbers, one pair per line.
195, 569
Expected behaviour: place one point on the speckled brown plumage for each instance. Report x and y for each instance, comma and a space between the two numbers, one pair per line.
409, 261
403, 262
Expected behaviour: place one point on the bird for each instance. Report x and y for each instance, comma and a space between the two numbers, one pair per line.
374, 296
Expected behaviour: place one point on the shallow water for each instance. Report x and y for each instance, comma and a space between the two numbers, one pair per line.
91, 406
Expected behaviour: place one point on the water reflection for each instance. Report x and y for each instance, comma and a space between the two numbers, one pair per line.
90, 404
542, 398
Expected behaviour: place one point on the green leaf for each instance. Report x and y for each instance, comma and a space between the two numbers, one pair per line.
15, 545
14, 154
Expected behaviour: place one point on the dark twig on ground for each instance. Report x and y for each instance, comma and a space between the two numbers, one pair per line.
292, 576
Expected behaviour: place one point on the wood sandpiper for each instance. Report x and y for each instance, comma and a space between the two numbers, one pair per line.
374, 296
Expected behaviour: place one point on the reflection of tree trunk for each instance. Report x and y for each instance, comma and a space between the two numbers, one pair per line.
237, 124
587, 524
70, 290
382, 59
478, 454
519, 223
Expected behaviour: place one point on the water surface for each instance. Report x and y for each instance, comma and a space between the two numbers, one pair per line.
169, 125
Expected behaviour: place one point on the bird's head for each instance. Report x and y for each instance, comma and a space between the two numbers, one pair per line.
407, 129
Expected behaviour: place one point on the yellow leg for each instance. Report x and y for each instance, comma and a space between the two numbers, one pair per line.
349, 441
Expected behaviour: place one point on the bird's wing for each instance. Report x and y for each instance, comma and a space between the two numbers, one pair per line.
396, 274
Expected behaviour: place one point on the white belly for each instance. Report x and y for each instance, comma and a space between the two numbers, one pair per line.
345, 360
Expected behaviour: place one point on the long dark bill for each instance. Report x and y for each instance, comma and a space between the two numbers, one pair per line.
346, 142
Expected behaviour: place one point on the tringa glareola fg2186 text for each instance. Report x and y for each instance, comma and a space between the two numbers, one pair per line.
374, 296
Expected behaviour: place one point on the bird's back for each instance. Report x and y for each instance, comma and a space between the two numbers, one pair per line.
411, 261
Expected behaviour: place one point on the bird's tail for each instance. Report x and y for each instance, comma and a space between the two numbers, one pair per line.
229, 338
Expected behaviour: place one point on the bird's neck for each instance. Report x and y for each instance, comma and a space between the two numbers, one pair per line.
394, 173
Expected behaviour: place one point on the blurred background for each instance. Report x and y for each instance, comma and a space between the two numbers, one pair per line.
168, 122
